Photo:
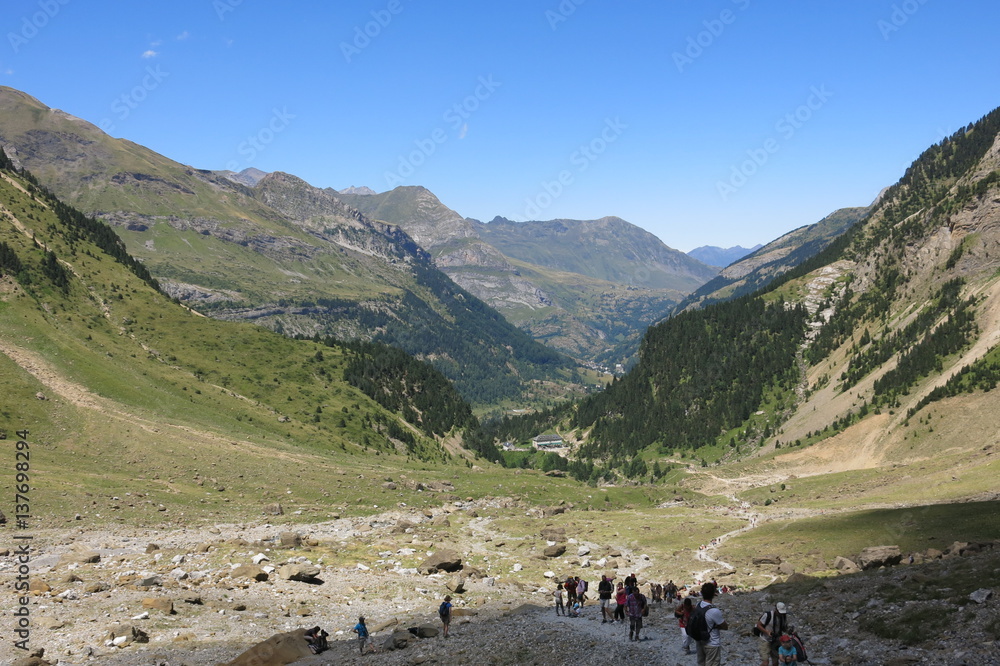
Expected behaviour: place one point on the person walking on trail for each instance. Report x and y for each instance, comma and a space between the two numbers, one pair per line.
770, 626
364, 636
604, 590
710, 651
620, 597
635, 605
444, 612
683, 614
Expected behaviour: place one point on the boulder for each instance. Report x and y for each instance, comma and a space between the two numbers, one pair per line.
425, 631
981, 596
456, 585
161, 604
290, 540
305, 573
398, 640
273, 509
554, 533
250, 571
278, 650
879, 556
554, 551
845, 565
442, 560
80, 557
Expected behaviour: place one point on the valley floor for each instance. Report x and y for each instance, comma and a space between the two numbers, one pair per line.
504, 621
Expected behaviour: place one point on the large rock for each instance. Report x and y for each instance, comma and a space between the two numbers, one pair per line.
250, 571
554, 551
290, 540
123, 635
425, 631
398, 640
161, 604
305, 573
442, 560
879, 556
767, 559
278, 650
551, 533
845, 565
81, 556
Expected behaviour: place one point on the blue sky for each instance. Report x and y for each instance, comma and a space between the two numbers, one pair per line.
706, 122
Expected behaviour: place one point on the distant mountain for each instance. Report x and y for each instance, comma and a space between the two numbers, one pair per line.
607, 249
280, 253
877, 357
249, 176
767, 263
582, 287
718, 256
363, 190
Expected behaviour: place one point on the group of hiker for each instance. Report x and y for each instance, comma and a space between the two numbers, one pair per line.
701, 622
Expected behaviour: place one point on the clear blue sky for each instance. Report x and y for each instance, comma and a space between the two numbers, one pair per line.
706, 122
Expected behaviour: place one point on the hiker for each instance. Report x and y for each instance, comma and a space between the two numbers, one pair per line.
558, 594
316, 638
710, 651
635, 605
683, 614
364, 637
771, 625
620, 596
570, 591
581, 590
630, 580
604, 590
444, 612
786, 651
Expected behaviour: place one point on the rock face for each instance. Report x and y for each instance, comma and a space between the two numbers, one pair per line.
442, 560
879, 556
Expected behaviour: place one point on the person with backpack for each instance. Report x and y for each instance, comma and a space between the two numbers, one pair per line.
635, 608
770, 626
604, 591
787, 653
683, 615
444, 612
706, 626
364, 636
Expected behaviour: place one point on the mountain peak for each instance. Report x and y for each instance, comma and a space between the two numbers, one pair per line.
361, 191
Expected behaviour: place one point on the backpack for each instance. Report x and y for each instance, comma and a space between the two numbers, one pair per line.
755, 630
444, 610
800, 649
644, 603
697, 626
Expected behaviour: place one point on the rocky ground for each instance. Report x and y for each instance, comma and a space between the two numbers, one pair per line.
193, 597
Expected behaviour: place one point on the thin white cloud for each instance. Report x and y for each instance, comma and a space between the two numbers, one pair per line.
184, 35
150, 54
